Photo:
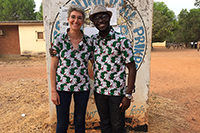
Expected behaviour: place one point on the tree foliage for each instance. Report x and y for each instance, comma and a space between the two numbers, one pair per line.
197, 3
164, 22
189, 26
183, 27
39, 15
17, 10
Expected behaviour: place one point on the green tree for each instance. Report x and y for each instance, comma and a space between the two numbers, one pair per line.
39, 15
189, 23
182, 35
17, 10
197, 3
194, 19
164, 22
159, 32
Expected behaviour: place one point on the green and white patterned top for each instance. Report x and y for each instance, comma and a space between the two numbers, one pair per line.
72, 71
111, 56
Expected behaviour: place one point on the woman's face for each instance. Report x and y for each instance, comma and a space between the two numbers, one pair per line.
75, 20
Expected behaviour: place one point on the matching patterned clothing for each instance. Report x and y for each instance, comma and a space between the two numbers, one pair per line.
110, 57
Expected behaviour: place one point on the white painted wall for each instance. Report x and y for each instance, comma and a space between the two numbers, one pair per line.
29, 44
159, 44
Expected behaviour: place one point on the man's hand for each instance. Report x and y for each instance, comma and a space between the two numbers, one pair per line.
55, 98
52, 52
124, 105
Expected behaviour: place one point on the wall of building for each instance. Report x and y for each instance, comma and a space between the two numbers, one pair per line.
29, 43
9, 42
159, 44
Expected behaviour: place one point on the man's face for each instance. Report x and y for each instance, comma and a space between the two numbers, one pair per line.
101, 21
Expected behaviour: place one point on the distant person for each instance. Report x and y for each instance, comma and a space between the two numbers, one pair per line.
195, 45
192, 44
198, 45
113, 53
69, 72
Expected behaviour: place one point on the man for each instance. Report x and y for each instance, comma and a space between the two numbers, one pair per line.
192, 43
112, 54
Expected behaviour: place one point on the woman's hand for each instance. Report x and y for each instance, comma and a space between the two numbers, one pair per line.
55, 98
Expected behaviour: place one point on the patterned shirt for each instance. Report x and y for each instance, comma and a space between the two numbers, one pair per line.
111, 56
72, 71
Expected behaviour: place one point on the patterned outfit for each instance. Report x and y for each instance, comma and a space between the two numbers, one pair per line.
111, 56
72, 71
72, 78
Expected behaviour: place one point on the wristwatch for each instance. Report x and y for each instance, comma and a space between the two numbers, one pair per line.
129, 96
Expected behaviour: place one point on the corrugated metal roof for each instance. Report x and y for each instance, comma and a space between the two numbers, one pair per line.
22, 22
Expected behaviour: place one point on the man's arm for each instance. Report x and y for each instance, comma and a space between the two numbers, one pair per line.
131, 84
131, 77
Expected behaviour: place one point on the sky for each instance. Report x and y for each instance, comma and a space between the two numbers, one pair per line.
178, 5
37, 3
174, 5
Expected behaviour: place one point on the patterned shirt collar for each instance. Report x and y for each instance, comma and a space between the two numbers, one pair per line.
65, 36
110, 36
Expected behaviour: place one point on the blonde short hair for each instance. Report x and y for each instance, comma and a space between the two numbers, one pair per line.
75, 7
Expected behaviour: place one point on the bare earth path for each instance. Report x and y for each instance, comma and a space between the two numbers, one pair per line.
175, 74
174, 93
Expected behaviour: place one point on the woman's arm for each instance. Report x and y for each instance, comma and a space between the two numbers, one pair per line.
54, 95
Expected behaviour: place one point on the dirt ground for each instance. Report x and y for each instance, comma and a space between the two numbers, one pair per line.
174, 98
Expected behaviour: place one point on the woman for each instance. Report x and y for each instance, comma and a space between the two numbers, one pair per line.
69, 73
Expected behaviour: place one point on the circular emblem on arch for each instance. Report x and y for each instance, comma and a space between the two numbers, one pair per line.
128, 20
